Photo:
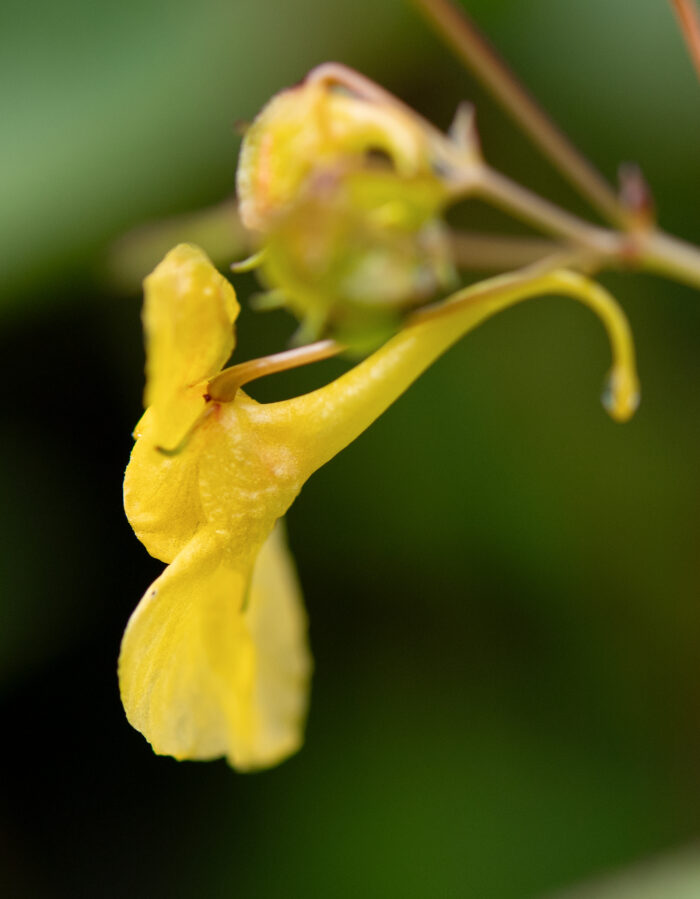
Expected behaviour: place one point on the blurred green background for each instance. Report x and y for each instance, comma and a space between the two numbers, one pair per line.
502, 583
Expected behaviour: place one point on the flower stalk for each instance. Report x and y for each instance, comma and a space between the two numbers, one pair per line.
689, 19
460, 33
635, 242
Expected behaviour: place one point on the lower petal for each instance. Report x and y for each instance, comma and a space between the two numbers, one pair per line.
214, 661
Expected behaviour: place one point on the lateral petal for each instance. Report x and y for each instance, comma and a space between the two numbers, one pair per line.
161, 494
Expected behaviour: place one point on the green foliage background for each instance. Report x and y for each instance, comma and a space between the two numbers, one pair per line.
502, 583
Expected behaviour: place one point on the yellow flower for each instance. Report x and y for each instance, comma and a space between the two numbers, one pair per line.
214, 661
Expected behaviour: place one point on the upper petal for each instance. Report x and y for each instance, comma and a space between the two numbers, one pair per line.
188, 315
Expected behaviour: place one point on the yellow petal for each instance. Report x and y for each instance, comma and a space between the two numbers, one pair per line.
248, 477
188, 316
215, 662
277, 625
161, 494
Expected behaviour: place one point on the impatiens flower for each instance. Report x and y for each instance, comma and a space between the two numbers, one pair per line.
214, 660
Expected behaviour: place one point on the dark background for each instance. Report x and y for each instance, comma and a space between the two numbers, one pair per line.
502, 583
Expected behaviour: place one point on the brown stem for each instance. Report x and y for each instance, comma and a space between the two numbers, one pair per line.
523, 203
458, 30
670, 256
689, 19
497, 252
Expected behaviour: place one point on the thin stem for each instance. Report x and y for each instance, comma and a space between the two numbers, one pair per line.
223, 387
689, 19
649, 249
637, 245
495, 252
523, 203
670, 256
457, 30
